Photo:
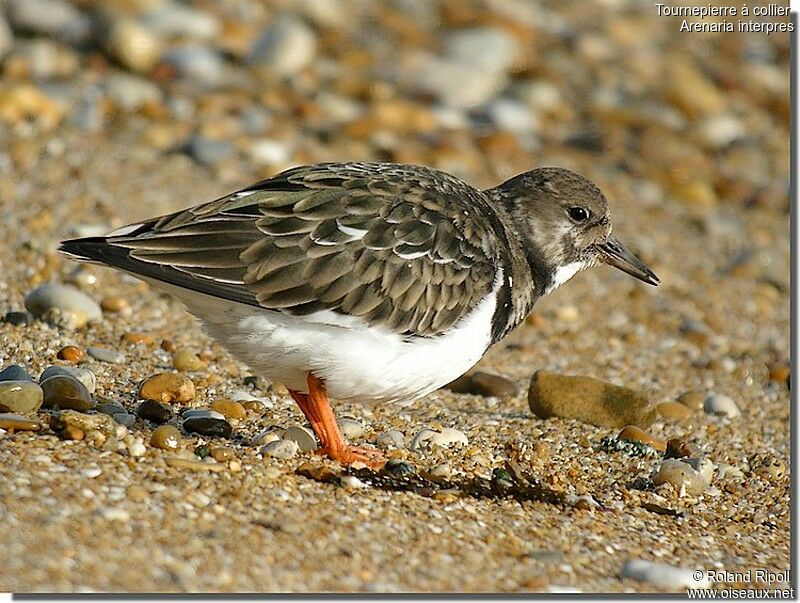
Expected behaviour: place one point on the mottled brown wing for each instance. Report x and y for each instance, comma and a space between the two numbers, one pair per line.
402, 247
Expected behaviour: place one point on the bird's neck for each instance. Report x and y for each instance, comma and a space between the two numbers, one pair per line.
526, 275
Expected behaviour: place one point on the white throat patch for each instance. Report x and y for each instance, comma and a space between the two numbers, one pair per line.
564, 273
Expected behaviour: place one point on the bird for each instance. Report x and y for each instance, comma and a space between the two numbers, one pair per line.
368, 281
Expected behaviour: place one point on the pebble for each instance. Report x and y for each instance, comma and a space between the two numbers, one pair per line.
132, 338
421, 439
199, 63
166, 437
449, 437
681, 475
14, 372
54, 302
208, 423
209, 151
268, 152
351, 428
673, 411
512, 115
111, 408
484, 48
398, 468
173, 20
65, 391
351, 481
82, 374
106, 355
92, 472
20, 396
390, 439
588, 400
70, 353
663, 576
677, 448
167, 387
631, 433
302, 436
130, 93
230, 409
136, 447
720, 404
98, 428
55, 18
6, 37
271, 434
154, 411
222, 454
124, 418
133, 45
12, 422
481, 383
280, 449
18, 319
693, 400
721, 130
186, 360
286, 46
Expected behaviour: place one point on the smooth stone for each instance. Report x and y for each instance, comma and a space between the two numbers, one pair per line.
222, 454
454, 83
179, 463
449, 437
166, 437
271, 434
54, 18
210, 424
681, 476
693, 400
481, 383
631, 433
15, 372
512, 115
195, 62
661, 575
720, 404
65, 391
6, 37
588, 400
64, 299
286, 46
201, 412
172, 20
20, 396
678, 448
230, 409
124, 418
673, 411
390, 439
398, 468
18, 319
156, 412
70, 353
209, 151
82, 374
351, 481
268, 152
131, 93
486, 48
106, 355
351, 428
186, 360
167, 387
302, 436
133, 45
280, 449
136, 447
12, 422
98, 427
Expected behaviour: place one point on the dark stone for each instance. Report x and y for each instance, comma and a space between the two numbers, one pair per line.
15, 373
154, 411
208, 426
19, 319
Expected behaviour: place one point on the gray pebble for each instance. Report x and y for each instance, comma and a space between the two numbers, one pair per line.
82, 374
176, 20
280, 449
201, 412
18, 319
302, 436
351, 428
15, 373
486, 48
55, 18
390, 439
124, 418
286, 46
6, 37
209, 151
20, 396
105, 355
198, 63
662, 575
66, 392
131, 92
109, 407
720, 404
49, 297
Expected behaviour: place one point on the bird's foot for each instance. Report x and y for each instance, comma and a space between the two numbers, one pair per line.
351, 455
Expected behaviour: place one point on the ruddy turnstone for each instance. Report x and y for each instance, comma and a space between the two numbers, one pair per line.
369, 281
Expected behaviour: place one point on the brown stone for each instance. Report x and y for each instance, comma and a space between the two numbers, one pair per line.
137, 338
12, 422
113, 303
674, 411
222, 454
693, 400
229, 408
588, 400
166, 437
167, 387
70, 353
631, 433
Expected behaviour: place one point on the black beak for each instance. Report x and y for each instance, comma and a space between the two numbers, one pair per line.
614, 253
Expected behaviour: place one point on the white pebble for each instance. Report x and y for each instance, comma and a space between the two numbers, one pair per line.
281, 449
662, 575
112, 514
91, 472
136, 447
449, 437
303, 437
421, 439
681, 476
351, 428
271, 434
720, 404
390, 439
351, 481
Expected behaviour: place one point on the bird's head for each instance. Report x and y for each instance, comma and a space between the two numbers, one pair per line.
564, 222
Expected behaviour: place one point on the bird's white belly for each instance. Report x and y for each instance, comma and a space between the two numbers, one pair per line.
357, 362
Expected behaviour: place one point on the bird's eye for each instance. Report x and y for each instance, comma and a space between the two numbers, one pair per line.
578, 214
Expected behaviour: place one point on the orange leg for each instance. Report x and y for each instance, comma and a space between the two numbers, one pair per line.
317, 409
